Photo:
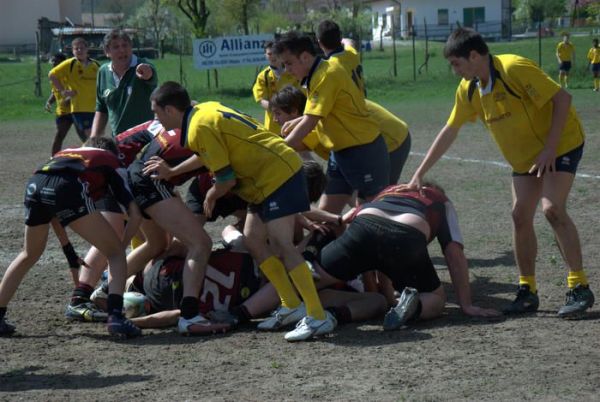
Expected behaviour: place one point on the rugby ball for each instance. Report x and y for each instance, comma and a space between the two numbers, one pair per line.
134, 304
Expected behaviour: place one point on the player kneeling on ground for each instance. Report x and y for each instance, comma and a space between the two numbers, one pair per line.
65, 188
390, 234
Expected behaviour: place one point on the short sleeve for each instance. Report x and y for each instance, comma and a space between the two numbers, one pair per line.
463, 110
62, 70
322, 95
260, 87
535, 83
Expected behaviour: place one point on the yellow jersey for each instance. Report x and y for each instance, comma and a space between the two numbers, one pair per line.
63, 106
224, 137
565, 51
345, 121
393, 130
349, 58
80, 78
517, 110
268, 82
311, 141
594, 55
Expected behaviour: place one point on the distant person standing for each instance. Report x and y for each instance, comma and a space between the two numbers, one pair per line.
63, 120
75, 78
123, 88
565, 53
594, 59
270, 81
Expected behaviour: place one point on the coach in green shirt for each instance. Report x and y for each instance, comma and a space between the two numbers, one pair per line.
123, 87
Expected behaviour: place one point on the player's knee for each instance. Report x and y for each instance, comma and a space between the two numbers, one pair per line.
521, 218
554, 213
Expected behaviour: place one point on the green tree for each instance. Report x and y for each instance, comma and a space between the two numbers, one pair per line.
540, 10
197, 12
241, 11
157, 18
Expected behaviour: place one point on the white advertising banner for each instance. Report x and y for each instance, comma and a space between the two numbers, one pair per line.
230, 51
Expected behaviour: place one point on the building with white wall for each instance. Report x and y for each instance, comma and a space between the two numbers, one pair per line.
438, 18
19, 18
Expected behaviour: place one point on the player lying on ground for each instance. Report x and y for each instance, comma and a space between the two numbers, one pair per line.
88, 172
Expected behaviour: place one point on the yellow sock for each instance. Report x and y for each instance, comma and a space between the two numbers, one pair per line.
275, 272
305, 284
576, 278
136, 242
596, 83
528, 280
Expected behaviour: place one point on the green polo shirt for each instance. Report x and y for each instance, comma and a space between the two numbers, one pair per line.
128, 103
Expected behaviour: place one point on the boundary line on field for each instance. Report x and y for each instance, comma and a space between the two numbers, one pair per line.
496, 163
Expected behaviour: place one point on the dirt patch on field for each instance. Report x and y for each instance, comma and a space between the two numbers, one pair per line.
452, 358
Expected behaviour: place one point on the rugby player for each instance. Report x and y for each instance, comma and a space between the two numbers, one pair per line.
261, 169
89, 172
537, 130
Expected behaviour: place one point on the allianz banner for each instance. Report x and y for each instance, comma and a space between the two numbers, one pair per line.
229, 51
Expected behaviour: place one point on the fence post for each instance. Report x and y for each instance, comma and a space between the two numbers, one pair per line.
38, 66
394, 46
414, 54
540, 44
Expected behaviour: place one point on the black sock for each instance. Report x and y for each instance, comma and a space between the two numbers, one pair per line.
342, 314
2, 312
115, 304
81, 294
189, 307
417, 313
242, 314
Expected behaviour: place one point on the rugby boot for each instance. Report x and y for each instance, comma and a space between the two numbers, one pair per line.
6, 328
407, 307
578, 300
87, 312
120, 327
310, 327
282, 317
525, 302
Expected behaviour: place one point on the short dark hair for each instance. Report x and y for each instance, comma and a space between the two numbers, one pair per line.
268, 44
288, 99
595, 42
315, 179
295, 43
329, 34
103, 143
115, 34
79, 39
173, 94
462, 41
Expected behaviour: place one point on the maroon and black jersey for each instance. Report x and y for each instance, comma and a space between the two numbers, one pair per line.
167, 146
94, 166
132, 141
429, 203
230, 279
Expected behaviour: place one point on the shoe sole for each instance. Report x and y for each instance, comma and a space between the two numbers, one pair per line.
575, 315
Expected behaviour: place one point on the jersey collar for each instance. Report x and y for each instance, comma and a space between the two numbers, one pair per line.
185, 122
337, 50
306, 80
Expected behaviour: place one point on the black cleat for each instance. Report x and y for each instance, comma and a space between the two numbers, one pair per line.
6, 329
577, 301
121, 328
525, 302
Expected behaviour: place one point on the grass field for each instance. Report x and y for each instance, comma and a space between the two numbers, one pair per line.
452, 358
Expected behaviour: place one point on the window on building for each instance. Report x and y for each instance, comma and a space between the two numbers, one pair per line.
443, 16
473, 15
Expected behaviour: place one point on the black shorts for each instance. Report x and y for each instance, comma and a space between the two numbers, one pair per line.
146, 190
62, 196
224, 206
375, 243
567, 162
564, 66
108, 203
596, 67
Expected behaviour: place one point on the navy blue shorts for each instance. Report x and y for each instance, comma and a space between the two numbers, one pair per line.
62, 196
596, 67
145, 190
365, 168
291, 198
564, 163
65, 118
564, 66
398, 159
83, 120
